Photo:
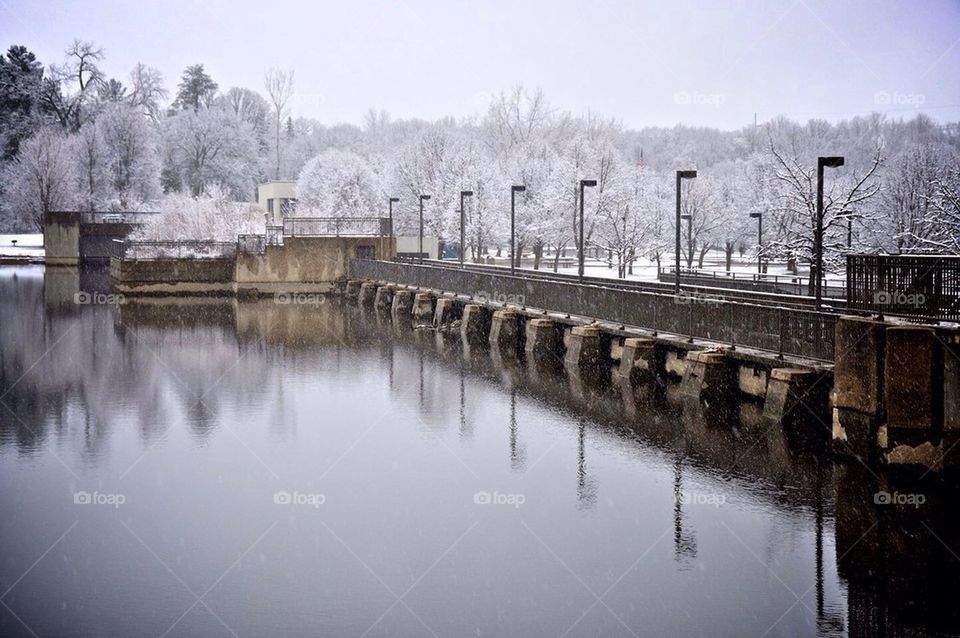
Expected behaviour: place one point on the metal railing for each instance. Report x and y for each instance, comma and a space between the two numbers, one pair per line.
252, 244
125, 217
335, 226
127, 250
764, 282
916, 286
784, 330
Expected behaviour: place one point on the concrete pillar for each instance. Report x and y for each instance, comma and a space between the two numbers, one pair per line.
752, 380
423, 307
583, 351
543, 340
384, 298
368, 292
505, 331
858, 369
402, 304
951, 383
353, 288
444, 312
675, 363
476, 324
708, 376
638, 359
913, 394
795, 393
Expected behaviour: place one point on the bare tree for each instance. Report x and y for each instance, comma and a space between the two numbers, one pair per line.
279, 85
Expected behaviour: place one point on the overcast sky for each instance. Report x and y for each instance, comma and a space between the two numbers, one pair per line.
711, 63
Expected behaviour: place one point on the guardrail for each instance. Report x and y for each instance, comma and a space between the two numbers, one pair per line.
784, 330
916, 286
335, 226
763, 282
183, 249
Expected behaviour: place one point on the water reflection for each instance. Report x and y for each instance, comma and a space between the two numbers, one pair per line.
177, 401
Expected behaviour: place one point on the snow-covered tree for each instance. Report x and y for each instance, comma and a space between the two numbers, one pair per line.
339, 183
41, 178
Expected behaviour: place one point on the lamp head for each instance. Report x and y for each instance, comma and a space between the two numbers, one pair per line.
686, 174
394, 200
466, 193
518, 188
832, 161
587, 182
756, 215
686, 217
423, 197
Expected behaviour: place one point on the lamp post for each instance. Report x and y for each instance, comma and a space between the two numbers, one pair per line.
513, 237
463, 245
422, 197
680, 176
822, 162
759, 218
689, 220
390, 204
849, 215
584, 183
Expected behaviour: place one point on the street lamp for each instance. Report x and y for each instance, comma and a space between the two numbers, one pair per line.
463, 245
422, 197
759, 218
584, 183
833, 161
390, 204
846, 212
513, 237
680, 175
689, 220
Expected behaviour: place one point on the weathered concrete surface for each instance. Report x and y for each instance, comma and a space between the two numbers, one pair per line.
173, 276
402, 305
951, 387
384, 298
675, 363
752, 380
475, 328
912, 378
423, 306
505, 331
858, 373
353, 288
368, 293
709, 376
795, 393
543, 340
638, 359
61, 241
855, 434
305, 259
445, 311
583, 350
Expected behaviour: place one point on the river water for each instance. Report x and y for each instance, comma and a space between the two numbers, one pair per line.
218, 468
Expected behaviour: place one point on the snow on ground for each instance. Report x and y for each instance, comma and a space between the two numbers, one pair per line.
28, 245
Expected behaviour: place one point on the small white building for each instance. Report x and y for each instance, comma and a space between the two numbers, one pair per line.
278, 199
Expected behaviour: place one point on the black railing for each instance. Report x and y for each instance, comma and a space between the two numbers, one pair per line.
335, 226
761, 282
778, 329
920, 286
126, 250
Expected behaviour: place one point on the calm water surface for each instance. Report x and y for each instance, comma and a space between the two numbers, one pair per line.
257, 469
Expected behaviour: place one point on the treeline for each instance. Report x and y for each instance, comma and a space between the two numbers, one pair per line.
73, 138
